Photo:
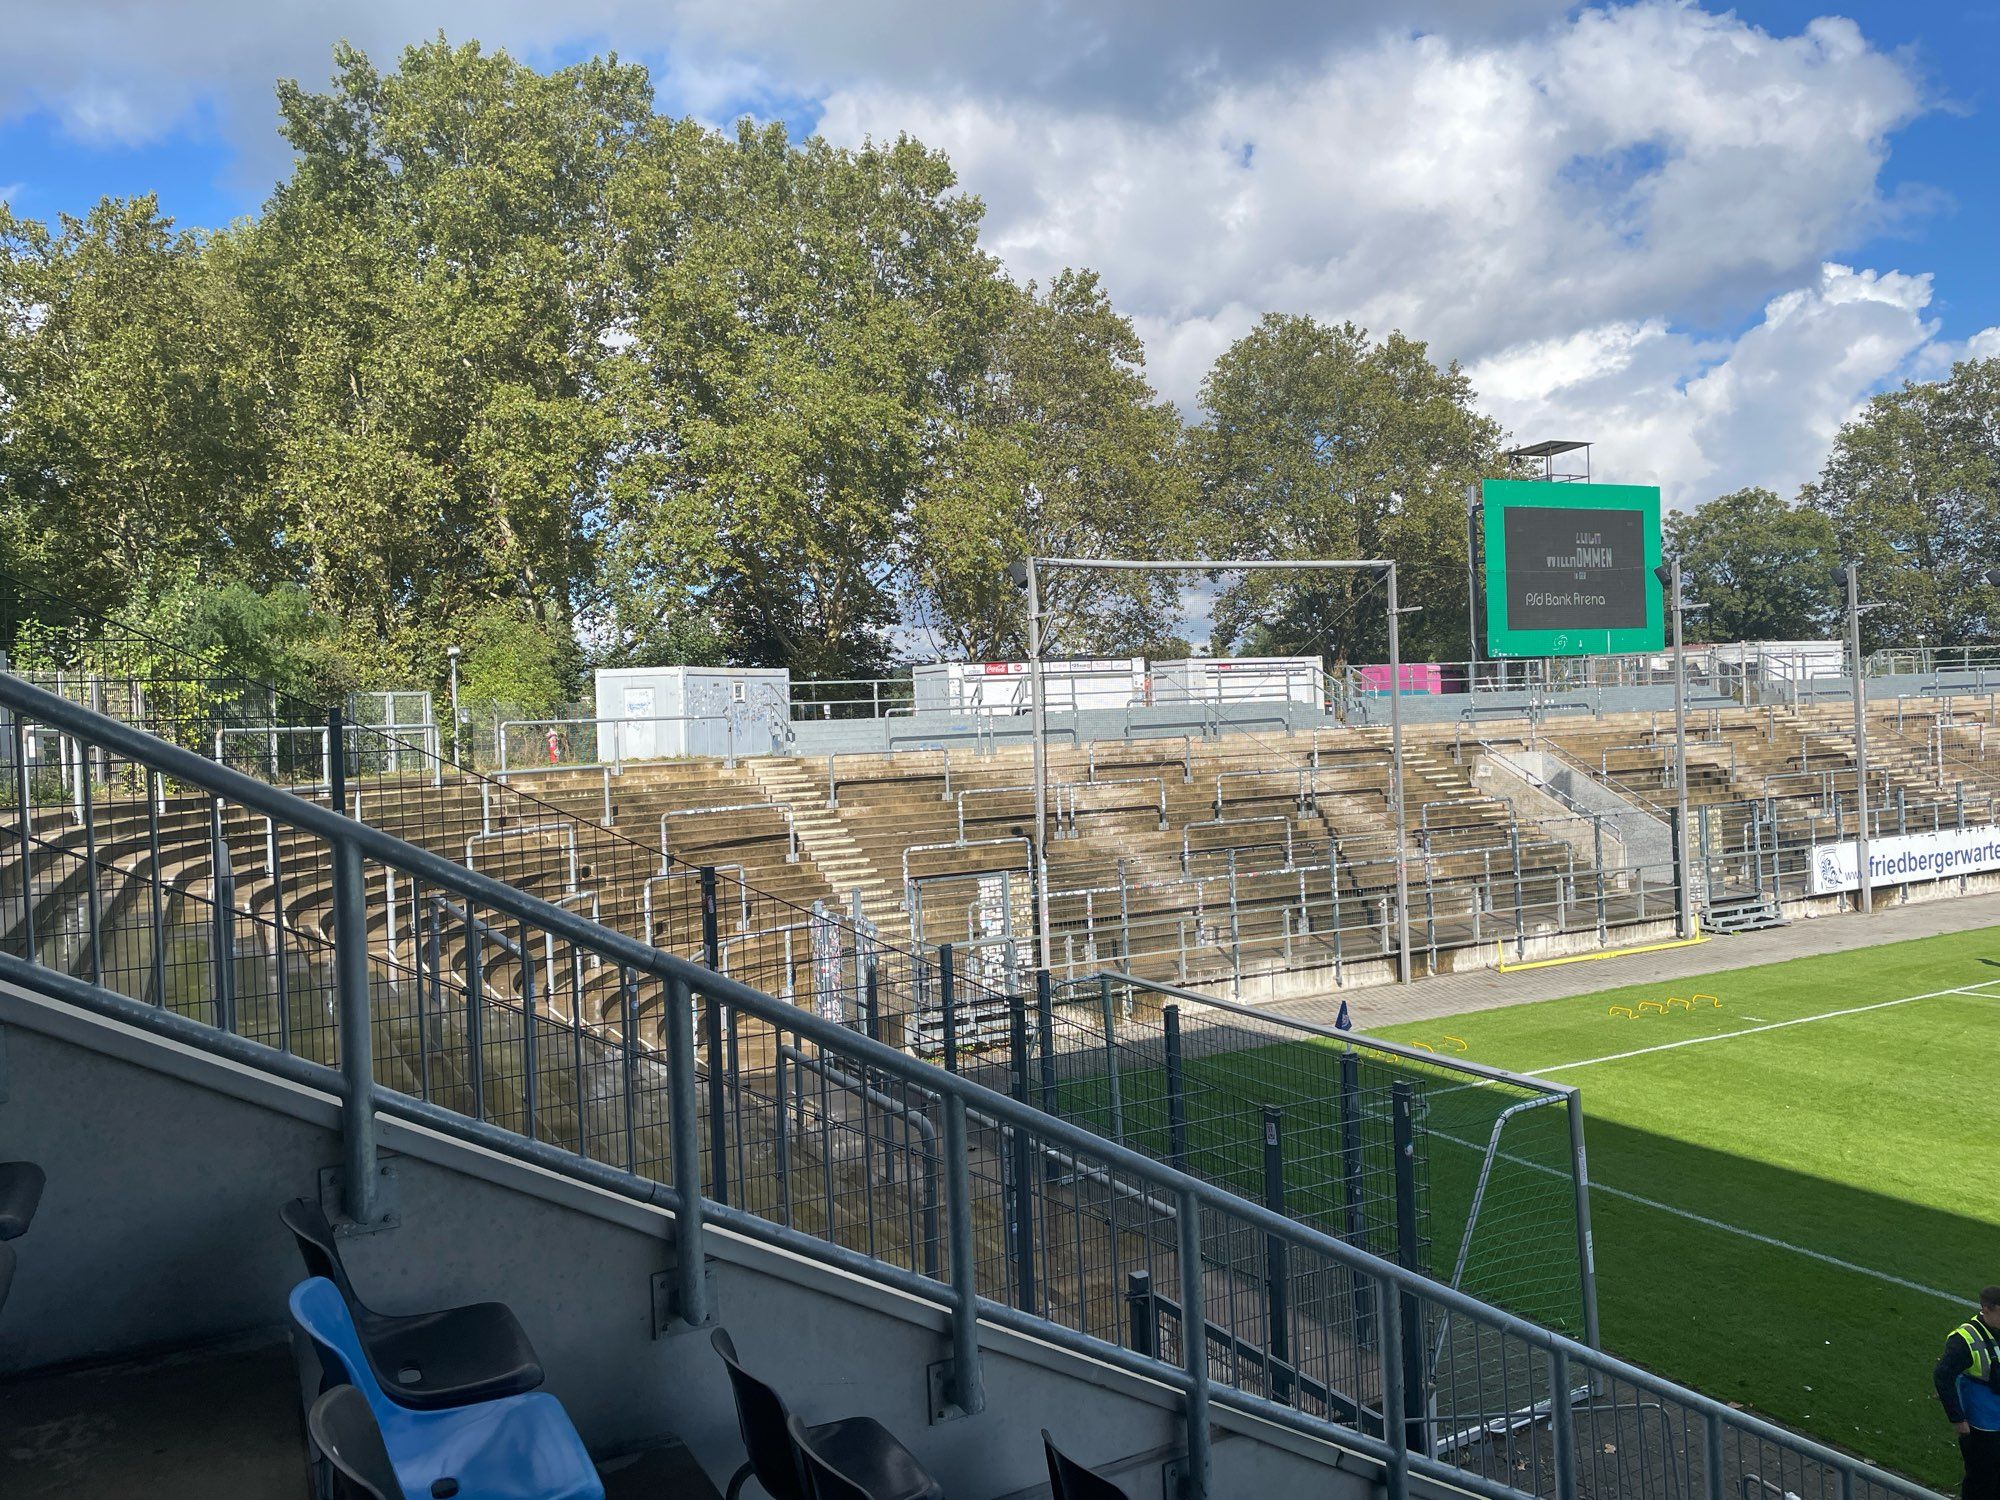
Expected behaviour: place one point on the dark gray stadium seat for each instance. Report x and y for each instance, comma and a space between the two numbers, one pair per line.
21, 1185
427, 1360
343, 1430
1070, 1480
860, 1450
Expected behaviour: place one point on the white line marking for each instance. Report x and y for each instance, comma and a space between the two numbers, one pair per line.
1723, 1036
1706, 1222
1778, 1244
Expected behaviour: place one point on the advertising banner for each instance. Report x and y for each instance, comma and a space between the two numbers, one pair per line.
1904, 858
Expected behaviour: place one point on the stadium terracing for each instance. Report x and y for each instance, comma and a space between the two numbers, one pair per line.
768, 1042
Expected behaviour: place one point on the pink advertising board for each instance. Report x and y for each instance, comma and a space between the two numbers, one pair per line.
1417, 677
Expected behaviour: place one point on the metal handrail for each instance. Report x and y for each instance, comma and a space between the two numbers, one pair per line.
351, 842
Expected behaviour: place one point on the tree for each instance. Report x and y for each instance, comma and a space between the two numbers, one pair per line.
784, 388
1764, 569
434, 288
516, 663
1321, 443
131, 442
1912, 489
1062, 449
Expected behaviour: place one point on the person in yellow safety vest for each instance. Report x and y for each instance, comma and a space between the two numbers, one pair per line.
1968, 1383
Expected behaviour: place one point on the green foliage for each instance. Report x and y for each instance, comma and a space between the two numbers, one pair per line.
1322, 443
1061, 449
130, 438
1912, 488
1764, 569
514, 661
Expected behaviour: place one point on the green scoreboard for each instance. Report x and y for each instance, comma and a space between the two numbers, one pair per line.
1569, 568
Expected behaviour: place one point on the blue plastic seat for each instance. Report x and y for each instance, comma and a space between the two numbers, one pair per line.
514, 1448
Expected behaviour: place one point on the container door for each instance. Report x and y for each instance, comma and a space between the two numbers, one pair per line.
640, 732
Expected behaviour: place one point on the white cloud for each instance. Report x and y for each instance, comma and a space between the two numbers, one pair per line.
1700, 418
1559, 209
1652, 160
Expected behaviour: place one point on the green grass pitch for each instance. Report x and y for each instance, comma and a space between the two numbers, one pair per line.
1794, 1195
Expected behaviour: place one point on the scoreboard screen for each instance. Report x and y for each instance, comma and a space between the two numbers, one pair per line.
1569, 568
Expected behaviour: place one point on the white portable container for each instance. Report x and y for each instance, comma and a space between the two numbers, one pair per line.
1003, 687
1240, 679
646, 713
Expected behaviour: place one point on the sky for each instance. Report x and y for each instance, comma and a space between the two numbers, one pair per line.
1698, 238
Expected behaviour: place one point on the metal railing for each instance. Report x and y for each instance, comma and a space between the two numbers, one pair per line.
674, 1085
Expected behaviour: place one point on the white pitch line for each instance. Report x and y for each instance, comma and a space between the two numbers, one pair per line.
1723, 1036
1778, 1244
1597, 1187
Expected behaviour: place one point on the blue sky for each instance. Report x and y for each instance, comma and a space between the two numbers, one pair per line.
1698, 236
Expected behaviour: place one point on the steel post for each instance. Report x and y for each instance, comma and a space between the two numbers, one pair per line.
718, 1095
1396, 780
1277, 1259
1177, 1133
1409, 1253
1194, 1345
1865, 898
357, 1033
968, 1389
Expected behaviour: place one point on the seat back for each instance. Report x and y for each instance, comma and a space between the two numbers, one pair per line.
322, 1315
21, 1184
823, 1481
6, 1271
761, 1419
1070, 1480
317, 1246
344, 1431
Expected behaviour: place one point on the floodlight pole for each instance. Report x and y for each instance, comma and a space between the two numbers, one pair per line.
1029, 577
1045, 944
1865, 897
1681, 851
1396, 778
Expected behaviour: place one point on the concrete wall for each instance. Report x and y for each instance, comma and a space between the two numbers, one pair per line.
167, 1167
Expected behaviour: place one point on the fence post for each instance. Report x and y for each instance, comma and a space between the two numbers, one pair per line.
948, 1007
1045, 1020
1680, 858
475, 1014
336, 760
1402, 1095
1194, 1345
1397, 1434
530, 1049
1020, 1190
223, 926
1111, 1058
1353, 1194
968, 1389
357, 1033
1170, 1017
1562, 1421
1277, 1261
718, 1097
1520, 924
1142, 1314
684, 1143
